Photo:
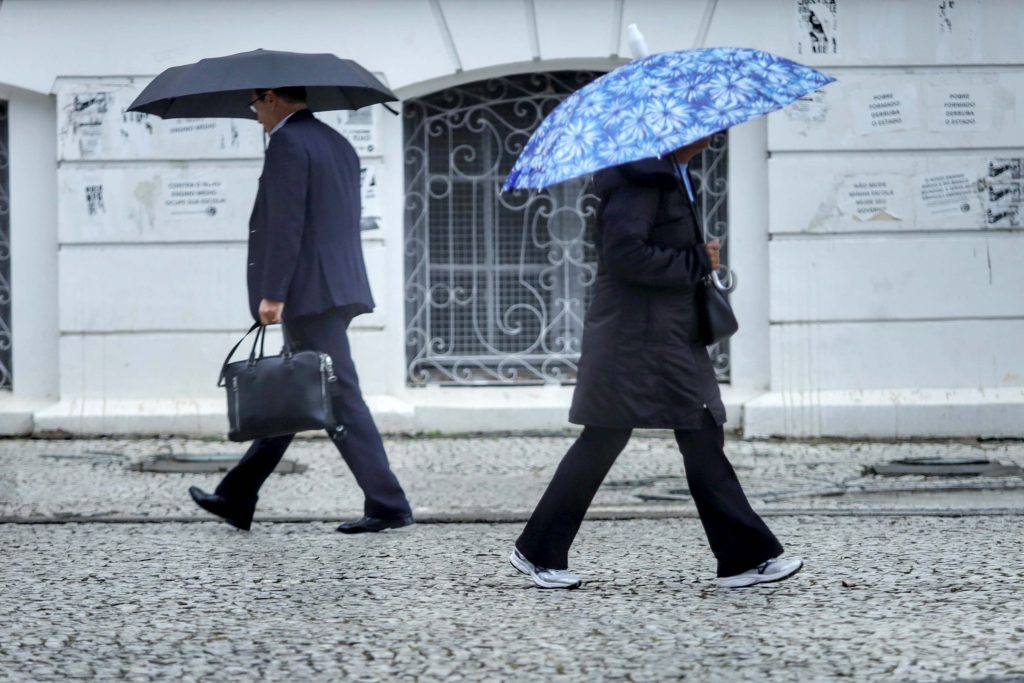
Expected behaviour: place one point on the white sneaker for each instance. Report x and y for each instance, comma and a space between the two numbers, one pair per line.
775, 569
545, 578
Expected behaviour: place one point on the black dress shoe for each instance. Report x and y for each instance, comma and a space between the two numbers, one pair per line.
373, 524
239, 516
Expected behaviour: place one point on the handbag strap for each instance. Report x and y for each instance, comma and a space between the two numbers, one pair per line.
711, 280
223, 369
697, 228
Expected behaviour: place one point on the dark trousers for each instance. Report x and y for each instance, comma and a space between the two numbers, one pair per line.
362, 448
739, 538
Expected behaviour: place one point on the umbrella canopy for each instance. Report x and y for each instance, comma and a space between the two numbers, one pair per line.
221, 87
655, 105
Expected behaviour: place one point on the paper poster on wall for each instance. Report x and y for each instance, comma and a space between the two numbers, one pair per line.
190, 196
92, 192
809, 111
155, 204
1004, 198
885, 109
359, 127
960, 107
944, 195
879, 197
370, 192
94, 124
1005, 170
817, 27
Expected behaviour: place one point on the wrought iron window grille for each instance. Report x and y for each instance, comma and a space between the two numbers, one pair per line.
497, 284
6, 375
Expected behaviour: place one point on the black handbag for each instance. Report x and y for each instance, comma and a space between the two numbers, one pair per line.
717, 321
278, 395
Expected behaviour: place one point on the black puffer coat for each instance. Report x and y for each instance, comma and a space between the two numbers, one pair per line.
642, 364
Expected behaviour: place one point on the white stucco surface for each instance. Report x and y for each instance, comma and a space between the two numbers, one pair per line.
876, 227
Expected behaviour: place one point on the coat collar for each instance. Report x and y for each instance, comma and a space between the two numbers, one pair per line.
300, 115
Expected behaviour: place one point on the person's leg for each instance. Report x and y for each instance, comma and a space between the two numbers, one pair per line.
362, 447
241, 485
739, 538
546, 539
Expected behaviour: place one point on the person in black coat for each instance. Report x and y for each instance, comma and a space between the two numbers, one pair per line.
306, 271
642, 365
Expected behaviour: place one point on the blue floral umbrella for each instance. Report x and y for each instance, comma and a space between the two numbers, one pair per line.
655, 105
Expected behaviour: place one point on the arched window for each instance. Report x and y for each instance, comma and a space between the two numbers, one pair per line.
497, 284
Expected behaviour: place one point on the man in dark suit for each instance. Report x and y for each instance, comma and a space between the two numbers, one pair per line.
306, 271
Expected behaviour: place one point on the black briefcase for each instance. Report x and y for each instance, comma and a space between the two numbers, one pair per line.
278, 395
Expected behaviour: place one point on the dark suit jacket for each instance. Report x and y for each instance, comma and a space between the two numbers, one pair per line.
304, 241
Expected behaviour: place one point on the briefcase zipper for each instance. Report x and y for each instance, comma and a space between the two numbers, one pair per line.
238, 414
327, 364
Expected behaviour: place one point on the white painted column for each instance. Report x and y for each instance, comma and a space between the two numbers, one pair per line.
748, 256
33, 223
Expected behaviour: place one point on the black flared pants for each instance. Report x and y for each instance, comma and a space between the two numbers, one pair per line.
739, 538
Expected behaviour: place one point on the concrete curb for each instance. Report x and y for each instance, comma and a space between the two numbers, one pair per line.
520, 516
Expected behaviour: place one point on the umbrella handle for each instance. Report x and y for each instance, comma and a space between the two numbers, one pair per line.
730, 280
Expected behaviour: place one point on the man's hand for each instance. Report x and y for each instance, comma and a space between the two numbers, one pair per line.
714, 248
271, 311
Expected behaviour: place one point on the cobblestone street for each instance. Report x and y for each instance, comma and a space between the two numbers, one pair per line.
893, 589
905, 599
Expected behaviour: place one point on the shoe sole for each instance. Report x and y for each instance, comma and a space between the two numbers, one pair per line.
397, 525
539, 582
757, 580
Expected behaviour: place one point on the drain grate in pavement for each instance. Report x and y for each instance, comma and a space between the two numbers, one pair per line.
945, 467
202, 463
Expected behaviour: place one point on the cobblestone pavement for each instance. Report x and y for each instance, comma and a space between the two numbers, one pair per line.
473, 477
881, 599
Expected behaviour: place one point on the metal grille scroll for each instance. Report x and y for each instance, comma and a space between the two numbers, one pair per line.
710, 170
497, 284
6, 379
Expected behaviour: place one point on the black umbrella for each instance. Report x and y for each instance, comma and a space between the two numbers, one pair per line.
221, 87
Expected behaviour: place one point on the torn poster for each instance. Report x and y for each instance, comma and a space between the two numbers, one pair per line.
809, 110
817, 27
370, 219
359, 127
94, 124
1004, 196
881, 197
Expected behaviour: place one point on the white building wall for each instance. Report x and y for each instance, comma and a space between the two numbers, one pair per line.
895, 327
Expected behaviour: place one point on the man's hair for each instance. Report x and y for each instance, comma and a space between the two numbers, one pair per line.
292, 94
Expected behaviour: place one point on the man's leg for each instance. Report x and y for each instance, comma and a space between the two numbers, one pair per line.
243, 482
362, 447
739, 538
554, 523
234, 500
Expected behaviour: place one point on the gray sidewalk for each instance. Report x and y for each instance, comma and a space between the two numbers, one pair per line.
907, 579
493, 478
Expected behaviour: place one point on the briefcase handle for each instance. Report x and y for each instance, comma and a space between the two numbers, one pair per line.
260, 341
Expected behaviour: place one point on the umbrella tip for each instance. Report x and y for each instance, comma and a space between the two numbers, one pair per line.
637, 44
